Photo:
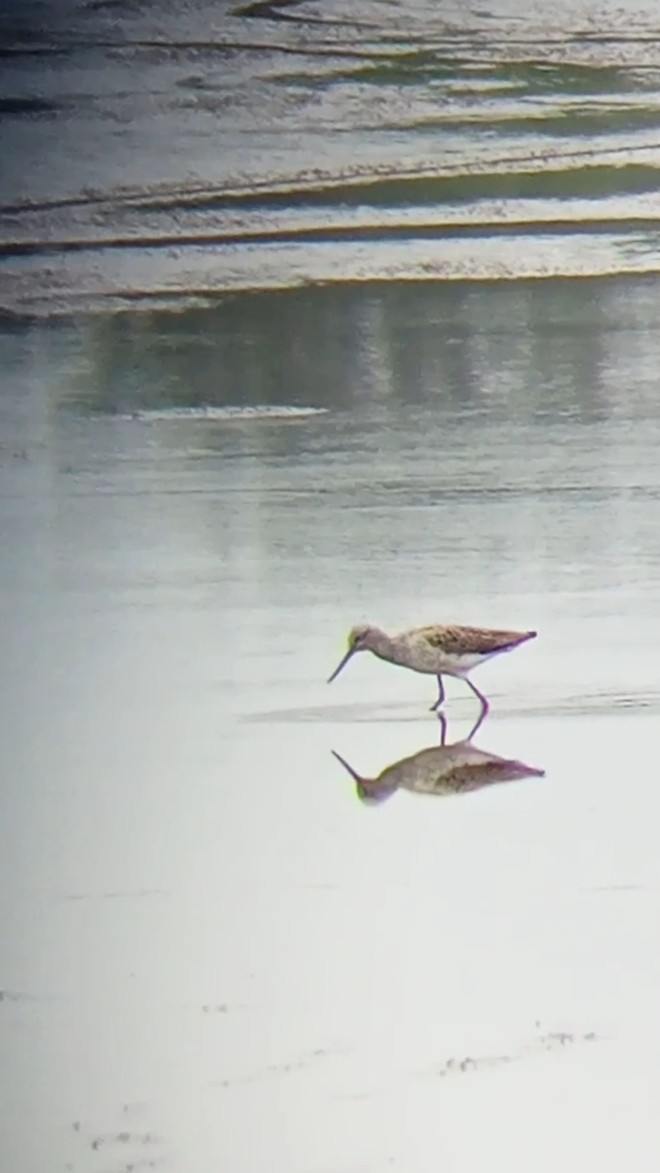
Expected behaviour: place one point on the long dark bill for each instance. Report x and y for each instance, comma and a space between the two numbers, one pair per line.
346, 766
340, 665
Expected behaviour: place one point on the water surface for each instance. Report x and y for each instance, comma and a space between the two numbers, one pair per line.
213, 951
319, 314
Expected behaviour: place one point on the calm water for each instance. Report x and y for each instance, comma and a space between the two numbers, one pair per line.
213, 956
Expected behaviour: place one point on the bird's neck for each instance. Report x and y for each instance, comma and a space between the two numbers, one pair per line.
381, 644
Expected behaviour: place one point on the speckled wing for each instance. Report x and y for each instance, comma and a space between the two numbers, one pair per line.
467, 776
472, 641
473, 776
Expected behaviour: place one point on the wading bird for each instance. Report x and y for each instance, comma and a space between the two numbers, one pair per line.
436, 651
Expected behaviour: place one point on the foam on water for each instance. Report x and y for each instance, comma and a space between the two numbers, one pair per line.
264, 411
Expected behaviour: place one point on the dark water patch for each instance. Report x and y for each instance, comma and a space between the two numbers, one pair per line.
25, 106
20, 50
70, 43
267, 9
114, 6
285, 11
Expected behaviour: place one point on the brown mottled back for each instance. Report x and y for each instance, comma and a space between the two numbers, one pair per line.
474, 776
472, 640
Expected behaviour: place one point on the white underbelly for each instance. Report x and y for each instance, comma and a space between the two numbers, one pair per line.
435, 662
461, 665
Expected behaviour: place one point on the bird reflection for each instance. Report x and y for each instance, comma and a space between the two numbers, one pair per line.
441, 770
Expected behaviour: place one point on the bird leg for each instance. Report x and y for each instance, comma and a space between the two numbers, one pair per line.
477, 725
441, 696
443, 728
485, 707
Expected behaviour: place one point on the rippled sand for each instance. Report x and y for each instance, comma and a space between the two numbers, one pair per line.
162, 158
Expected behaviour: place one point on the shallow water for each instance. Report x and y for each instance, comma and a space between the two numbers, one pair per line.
213, 951
306, 415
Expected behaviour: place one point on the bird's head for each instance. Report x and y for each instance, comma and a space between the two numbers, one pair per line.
369, 790
359, 640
